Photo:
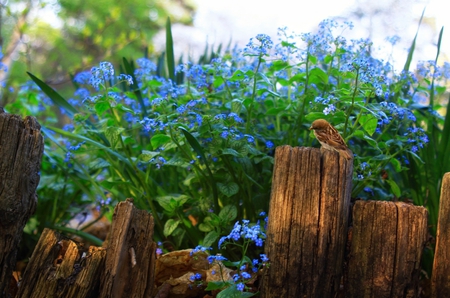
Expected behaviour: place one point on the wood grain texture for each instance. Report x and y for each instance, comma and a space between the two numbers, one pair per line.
21, 148
60, 268
308, 219
387, 243
440, 281
130, 258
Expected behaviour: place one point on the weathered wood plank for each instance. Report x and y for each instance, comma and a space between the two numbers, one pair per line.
21, 148
308, 219
440, 281
387, 243
60, 268
130, 258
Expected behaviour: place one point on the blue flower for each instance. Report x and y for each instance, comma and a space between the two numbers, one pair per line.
240, 286
264, 258
245, 275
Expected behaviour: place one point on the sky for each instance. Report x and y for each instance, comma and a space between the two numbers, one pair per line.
217, 22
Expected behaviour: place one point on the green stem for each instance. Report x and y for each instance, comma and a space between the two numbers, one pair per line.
350, 109
250, 108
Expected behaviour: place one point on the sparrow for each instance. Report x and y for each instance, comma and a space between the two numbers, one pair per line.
329, 138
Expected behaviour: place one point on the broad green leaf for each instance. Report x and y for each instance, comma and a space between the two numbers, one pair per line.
205, 227
238, 75
228, 213
371, 141
159, 140
113, 134
369, 123
396, 164
229, 151
101, 106
310, 117
216, 285
236, 106
170, 226
98, 163
317, 75
210, 238
165, 202
146, 156
229, 189
394, 188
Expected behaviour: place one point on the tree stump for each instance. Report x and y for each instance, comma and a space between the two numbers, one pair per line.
308, 220
131, 254
386, 248
21, 148
60, 268
440, 281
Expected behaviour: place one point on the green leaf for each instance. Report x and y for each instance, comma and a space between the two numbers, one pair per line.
229, 151
205, 227
54, 96
233, 292
369, 123
396, 164
92, 142
169, 51
146, 156
166, 203
113, 135
228, 213
228, 189
170, 226
236, 106
159, 140
371, 141
314, 116
317, 75
218, 81
394, 188
210, 238
216, 285
238, 75
101, 106
98, 163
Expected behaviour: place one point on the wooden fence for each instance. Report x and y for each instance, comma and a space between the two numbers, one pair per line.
319, 244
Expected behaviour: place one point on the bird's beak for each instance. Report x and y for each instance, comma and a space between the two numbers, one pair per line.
310, 127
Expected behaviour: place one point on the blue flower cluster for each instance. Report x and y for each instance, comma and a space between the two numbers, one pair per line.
246, 232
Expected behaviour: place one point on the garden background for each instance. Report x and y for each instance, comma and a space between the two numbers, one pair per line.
190, 133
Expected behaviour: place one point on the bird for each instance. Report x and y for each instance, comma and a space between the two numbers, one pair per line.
329, 138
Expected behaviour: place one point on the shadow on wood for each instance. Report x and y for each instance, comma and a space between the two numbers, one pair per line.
124, 267
386, 249
21, 148
440, 281
308, 220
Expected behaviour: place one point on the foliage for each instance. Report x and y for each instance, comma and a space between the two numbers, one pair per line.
241, 239
78, 35
195, 147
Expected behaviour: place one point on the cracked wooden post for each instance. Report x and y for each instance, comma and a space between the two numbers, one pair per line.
61, 268
440, 280
386, 248
308, 218
130, 254
21, 148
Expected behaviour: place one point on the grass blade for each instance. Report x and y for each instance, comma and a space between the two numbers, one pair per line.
169, 51
413, 45
129, 68
54, 96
